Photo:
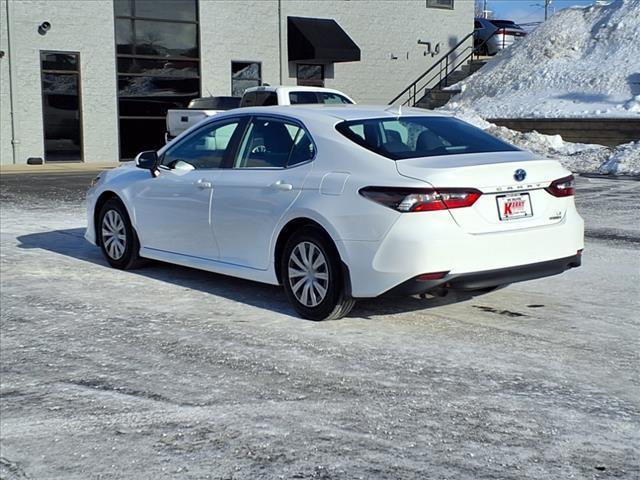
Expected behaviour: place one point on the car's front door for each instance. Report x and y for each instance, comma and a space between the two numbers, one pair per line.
265, 178
173, 210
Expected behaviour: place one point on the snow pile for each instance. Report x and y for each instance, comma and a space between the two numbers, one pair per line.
583, 62
577, 157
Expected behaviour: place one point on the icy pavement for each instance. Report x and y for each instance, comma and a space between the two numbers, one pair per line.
168, 372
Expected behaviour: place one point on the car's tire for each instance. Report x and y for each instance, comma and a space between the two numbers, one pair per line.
313, 277
118, 240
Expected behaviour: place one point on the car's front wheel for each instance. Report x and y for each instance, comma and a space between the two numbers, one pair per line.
312, 276
118, 239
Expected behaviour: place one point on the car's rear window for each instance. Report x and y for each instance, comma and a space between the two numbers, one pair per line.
306, 97
414, 137
505, 24
215, 103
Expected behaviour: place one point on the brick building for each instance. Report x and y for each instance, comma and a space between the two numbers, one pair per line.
91, 80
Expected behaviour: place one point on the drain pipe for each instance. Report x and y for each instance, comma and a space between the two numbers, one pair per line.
280, 40
10, 56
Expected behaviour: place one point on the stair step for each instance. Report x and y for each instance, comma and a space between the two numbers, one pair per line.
475, 66
442, 94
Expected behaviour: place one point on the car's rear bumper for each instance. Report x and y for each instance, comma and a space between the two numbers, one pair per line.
488, 278
431, 242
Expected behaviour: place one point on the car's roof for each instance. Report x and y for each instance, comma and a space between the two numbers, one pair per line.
293, 88
343, 112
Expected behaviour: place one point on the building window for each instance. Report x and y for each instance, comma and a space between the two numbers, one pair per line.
440, 4
310, 75
158, 62
245, 75
61, 112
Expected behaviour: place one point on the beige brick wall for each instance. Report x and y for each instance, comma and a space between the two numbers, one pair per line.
382, 28
76, 25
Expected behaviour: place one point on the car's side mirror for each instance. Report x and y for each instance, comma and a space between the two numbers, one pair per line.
148, 160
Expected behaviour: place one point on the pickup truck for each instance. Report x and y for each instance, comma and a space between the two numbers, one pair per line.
198, 109
277, 95
180, 120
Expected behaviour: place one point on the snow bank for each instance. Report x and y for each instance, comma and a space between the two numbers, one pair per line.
577, 157
582, 62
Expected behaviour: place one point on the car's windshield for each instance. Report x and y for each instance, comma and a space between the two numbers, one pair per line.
413, 137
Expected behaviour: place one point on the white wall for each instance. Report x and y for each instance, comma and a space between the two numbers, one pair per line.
80, 26
6, 156
249, 31
237, 30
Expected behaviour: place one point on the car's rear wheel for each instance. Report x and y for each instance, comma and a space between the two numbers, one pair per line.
118, 239
312, 276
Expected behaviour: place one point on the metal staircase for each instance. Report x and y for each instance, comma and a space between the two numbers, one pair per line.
430, 90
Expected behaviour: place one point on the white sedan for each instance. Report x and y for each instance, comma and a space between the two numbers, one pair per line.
339, 203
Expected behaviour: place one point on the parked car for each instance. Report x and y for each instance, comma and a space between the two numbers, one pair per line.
180, 120
339, 203
491, 36
278, 95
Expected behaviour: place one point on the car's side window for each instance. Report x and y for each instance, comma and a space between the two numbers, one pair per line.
303, 148
304, 97
333, 98
205, 149
273, 143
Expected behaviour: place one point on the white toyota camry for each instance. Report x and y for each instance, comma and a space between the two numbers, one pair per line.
339, 203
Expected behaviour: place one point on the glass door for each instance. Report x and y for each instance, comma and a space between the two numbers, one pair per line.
62, 117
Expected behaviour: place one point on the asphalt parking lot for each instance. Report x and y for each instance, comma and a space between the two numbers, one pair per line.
168, 372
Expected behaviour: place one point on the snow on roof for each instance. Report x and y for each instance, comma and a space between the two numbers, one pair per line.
583, 62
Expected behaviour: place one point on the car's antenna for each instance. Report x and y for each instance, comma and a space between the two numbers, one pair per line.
209, 92
396, 110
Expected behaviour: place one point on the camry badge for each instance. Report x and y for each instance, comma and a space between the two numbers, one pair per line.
520, 175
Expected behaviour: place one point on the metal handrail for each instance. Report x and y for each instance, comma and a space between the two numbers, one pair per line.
412, 89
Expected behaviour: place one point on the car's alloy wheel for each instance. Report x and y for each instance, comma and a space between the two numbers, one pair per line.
308, 274
313, 277
114, 236
118, 239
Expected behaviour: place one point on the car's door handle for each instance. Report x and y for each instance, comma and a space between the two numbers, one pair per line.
281, 186
202, 183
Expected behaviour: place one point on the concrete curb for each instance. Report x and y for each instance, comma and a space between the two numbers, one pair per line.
58, 168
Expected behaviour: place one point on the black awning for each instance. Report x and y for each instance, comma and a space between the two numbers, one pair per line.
319, 40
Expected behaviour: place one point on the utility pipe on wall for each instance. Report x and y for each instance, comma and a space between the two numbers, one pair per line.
10, 57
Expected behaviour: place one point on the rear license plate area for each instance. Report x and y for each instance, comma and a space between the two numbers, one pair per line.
513, 206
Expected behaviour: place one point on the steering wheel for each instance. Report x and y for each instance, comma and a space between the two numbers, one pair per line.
259, 149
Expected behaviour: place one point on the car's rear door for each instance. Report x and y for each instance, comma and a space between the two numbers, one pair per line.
264, 179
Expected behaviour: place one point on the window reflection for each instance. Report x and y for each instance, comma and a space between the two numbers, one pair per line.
158, 67
166, 39
166, 9
61, 106
245, 75
162, 68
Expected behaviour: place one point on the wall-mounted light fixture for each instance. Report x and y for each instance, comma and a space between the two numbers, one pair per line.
430, 51
43, 28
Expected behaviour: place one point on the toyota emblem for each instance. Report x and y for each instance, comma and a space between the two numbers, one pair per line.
520, 175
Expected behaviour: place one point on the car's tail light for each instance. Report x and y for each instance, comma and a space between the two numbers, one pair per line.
421, 199
501, 31
563, 187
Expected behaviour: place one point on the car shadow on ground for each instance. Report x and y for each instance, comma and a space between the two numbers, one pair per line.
71, 243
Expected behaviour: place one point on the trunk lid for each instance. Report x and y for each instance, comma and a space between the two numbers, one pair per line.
494, 175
